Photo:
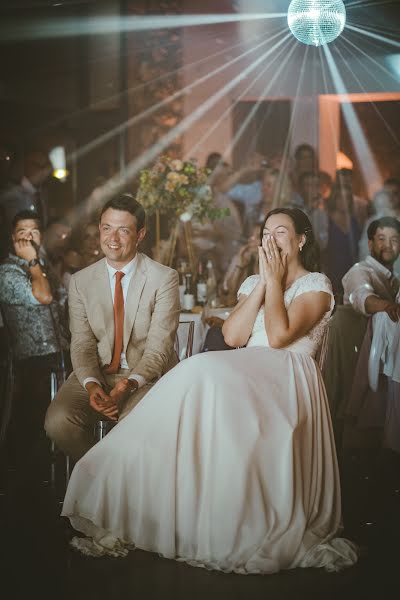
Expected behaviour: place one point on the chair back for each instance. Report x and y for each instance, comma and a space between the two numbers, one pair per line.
323, 351
184, 339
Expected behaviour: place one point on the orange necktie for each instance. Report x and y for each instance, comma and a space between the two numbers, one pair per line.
113, 367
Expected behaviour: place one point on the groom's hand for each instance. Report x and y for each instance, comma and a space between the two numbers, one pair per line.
122, 390
102, 402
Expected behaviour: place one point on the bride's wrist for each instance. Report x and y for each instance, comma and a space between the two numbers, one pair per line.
261, 285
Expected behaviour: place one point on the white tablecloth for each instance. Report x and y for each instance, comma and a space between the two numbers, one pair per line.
200, 328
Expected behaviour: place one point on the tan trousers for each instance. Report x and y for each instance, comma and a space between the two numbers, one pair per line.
70, 420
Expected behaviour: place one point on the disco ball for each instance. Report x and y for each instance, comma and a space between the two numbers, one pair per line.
316, 22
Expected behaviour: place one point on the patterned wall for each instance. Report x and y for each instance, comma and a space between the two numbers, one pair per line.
154, 58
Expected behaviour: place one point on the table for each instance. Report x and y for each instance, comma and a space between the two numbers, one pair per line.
200, 328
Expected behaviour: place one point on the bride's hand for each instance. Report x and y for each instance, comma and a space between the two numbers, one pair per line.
262, 266
275, 262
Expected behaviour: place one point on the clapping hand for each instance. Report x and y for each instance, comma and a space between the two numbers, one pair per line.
272, 264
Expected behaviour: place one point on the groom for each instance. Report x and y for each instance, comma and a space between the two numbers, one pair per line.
124, 313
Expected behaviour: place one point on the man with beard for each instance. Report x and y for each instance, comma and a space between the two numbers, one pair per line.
370, 286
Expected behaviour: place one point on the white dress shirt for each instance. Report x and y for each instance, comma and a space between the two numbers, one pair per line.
129, 270
368, 278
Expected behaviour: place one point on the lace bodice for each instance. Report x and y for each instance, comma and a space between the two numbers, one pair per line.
312, 282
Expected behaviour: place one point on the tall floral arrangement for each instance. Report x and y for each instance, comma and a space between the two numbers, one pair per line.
178, 188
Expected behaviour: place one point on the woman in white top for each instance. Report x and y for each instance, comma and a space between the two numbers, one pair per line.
229, 462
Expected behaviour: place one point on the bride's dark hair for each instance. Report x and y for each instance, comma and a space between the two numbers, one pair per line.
310, 254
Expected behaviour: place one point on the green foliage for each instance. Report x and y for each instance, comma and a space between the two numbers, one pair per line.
179, 188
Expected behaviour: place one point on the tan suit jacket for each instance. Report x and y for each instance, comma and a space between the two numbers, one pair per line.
151, 319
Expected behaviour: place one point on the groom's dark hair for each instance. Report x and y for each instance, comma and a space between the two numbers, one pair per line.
129, 204
310, 255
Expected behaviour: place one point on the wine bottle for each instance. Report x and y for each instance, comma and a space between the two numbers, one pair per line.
201, 286
182, 280
188, 296
211, 284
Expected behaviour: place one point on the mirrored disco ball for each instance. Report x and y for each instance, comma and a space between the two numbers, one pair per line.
316, 22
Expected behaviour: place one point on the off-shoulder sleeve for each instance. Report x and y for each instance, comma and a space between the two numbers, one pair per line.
248, 285
315, 282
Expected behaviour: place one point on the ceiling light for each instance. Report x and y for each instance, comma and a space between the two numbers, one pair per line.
316, 22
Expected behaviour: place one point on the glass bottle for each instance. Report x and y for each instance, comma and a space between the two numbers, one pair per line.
188, 296
201, 285
211, 284
182, 270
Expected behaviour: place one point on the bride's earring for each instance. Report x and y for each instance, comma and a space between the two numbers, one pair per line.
300, 248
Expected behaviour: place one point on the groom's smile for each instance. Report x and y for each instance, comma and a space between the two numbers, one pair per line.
119, 237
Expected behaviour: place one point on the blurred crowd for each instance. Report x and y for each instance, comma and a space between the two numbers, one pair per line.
339, 216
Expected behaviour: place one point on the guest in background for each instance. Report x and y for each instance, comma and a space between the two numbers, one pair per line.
33, 304
219, 239
89, 244
305, 161
343, 237
361, 206
325, 185
382, 205
213, 160
392, 185
72, 263
26, 193
56, 239
309, 189
371, 285
246, 188
243, 264
315, 189
276, 191
228, 230
372, 289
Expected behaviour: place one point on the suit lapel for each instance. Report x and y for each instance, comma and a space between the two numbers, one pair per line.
106, 308
135, 289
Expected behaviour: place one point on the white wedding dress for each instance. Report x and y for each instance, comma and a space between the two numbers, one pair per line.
227, 463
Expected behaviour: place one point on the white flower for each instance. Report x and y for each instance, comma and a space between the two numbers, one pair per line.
186, 216
177, 165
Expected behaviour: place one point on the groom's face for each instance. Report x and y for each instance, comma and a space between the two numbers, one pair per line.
119, 237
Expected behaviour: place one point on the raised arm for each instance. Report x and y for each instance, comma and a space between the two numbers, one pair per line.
362, 297
40, 284
284, 326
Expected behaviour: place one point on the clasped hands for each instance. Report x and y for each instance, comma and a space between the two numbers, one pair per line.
272, 263
109, 404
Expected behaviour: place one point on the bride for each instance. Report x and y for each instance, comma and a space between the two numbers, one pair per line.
229, 461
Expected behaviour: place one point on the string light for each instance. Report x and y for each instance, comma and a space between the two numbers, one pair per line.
316, 22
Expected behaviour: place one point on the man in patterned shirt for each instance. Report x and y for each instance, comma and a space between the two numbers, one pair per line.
34, 311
